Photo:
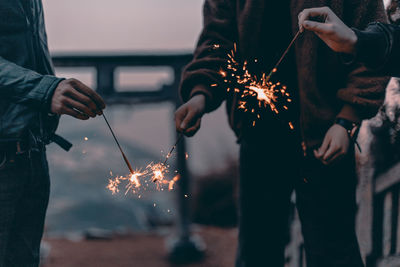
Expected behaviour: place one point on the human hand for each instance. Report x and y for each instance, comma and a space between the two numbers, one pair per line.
332, 31
72, 97
335, 145
188, 116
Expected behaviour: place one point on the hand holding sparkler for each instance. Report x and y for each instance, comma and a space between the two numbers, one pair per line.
188, 116
72, 97
331, 29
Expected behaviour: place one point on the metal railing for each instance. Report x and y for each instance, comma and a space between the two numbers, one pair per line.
183, 248
385, 221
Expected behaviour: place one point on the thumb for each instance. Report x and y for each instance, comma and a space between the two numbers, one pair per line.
324, 147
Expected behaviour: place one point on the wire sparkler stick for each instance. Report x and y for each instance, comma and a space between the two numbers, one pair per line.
283, 56
172, 149
119, 146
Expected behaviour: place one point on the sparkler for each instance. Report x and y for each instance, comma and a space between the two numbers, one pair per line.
173, 148
119, 146
154, 173
238, 79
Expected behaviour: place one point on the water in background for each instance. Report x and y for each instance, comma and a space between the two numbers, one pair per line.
79, 199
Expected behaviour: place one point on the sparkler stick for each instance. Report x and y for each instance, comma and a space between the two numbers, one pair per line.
283, 56
119, 146
173, 148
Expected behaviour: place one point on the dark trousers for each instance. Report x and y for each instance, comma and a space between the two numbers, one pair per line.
24, 195
271, 167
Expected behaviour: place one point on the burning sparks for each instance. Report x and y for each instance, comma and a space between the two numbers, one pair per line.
255, 94
172, 182
140, 180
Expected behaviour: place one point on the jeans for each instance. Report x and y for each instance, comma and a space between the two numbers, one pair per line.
271, 167
24, 195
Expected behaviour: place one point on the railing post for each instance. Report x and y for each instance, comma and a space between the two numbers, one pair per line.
377, 233
105, 79
183, 248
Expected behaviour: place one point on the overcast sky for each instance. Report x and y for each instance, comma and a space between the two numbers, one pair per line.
122, 25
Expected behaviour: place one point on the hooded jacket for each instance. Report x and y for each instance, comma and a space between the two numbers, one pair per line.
326, 88
27, 80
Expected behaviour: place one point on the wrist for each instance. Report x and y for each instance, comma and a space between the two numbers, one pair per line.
352, 129
200, 99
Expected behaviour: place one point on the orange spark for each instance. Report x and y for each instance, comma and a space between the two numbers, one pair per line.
172, 182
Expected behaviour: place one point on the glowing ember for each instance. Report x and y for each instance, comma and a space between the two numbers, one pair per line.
113, 185
255, 94
154, 173
173, 182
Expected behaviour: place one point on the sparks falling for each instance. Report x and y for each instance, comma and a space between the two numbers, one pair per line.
255, 94
248, 87
154, 175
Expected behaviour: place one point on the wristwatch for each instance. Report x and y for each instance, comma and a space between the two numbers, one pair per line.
352, 130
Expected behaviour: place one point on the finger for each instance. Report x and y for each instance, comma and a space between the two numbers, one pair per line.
308, 13
300, 21
82, 98
324, 147
75, 114
317, 27
193, 130
179, 116
335, 157
90, 93
80, 107
330, 153
188, 121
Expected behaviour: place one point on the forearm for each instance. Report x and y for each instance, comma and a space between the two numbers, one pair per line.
201, 75
18, 84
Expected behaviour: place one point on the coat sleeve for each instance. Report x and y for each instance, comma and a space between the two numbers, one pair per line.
217, 37
378, 48
365, 89
24, 86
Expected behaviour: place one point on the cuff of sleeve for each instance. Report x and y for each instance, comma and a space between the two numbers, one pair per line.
41, 94
371, 46
349, 113
52, 84
207, 87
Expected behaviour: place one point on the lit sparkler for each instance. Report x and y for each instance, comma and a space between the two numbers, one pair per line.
119, 146
248, 86
154, 173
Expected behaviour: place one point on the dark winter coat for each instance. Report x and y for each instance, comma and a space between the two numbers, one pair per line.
26, 73
326, 89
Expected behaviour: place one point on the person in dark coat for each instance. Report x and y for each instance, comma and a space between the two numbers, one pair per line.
317, 158
31, 101
377, 46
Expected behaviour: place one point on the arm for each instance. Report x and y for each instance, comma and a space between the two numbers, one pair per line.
376, 47
219, 30
48, 93
364, 90
25, 86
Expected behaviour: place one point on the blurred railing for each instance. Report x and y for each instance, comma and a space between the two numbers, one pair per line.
385, 221
183, 248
